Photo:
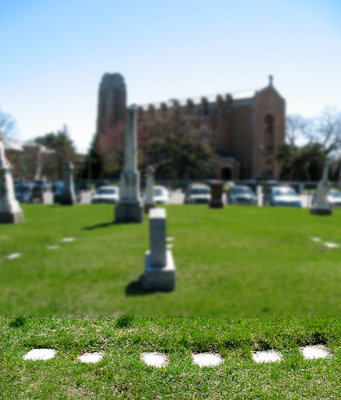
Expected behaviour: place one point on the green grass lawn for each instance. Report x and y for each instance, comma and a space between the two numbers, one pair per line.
121, 374
236, 262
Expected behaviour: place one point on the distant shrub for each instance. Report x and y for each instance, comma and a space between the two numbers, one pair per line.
124, 321
17, 322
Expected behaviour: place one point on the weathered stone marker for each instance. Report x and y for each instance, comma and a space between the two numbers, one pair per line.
149, 201
159, 271
130, 205
216, 194
10, 211
68, 196
321, 206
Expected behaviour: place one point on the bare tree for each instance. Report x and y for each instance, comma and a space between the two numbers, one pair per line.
7, 126
326, 130
296, 127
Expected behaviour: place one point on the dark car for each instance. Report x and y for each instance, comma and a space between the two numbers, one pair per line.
241, 195
23, 192
37, 194
58, 189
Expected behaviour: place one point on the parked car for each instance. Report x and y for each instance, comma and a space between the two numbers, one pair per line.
334, 198
44, 185
282, 196
58, 189
23, 192
37, 194
106, 194
241, 195
161, 195
197, 193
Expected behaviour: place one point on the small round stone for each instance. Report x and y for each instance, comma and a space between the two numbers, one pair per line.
155, 359
266, 356
315, 352
40, 354
90, 358
207, 359
13, 256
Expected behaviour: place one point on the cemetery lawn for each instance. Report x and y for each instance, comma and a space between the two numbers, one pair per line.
121, 374
237, 262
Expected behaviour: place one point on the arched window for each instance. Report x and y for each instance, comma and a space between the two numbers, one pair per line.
268, 146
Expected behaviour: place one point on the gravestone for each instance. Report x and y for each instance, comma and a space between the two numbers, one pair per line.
68, 195
159, 271
130, 205
216, 194
321, 206
10, 211
149, 200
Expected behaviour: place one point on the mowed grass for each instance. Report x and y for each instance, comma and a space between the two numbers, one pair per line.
121, 374
236, 261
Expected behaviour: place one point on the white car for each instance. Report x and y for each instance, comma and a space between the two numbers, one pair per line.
282, 196
334, 198
161, 195
106, 194
197, 193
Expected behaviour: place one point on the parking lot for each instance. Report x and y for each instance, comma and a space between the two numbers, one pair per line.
176, 197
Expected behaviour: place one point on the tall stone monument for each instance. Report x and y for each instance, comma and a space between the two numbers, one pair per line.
68, 197
321, 206
10, 211
216, 194
130, 205
159, 273
149, 199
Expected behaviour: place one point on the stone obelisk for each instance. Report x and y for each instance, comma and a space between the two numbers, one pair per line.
130, 205
68, 197
149, 198
321, 206
10, 211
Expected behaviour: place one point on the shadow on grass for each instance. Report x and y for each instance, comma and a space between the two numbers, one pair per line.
135, 288
105, 225
98, 226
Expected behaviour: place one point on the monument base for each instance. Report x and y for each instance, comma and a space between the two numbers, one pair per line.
11, 218
67, 200
147, 207
216, 204
159, 278
321, 210
125, 212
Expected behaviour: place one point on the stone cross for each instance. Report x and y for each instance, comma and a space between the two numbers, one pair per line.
130, 141
325, 171
321, 206
149, 199
130, 207
10, 211
68, 196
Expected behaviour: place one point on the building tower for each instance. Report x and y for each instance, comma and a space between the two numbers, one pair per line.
111, 102
112, 96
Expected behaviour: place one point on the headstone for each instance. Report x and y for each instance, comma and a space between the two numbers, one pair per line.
130, 206
216, 194
321, 206
259, 192
159, 271
68, 196
149, 200
10, 211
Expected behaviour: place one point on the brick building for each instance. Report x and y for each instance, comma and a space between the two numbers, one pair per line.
244, 128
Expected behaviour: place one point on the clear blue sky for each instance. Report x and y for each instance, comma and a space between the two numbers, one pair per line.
54, 53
